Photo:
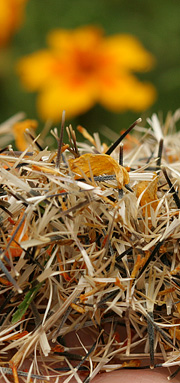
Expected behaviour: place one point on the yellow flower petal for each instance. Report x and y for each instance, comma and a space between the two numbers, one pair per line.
55, 98
99, 164
127, 93
35, 70
129, 52
64, 40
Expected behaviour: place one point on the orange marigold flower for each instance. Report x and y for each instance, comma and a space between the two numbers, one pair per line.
11, 15
82, 67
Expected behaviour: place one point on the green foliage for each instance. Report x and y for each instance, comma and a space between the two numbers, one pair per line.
22, 308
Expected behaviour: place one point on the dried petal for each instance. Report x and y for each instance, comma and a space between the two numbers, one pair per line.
149, 194
99, 164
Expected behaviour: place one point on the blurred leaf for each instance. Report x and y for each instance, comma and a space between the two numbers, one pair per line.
22, 308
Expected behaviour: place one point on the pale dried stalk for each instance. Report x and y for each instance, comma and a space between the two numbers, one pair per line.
94, 259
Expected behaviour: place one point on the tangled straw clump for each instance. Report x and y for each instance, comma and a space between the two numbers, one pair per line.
90, 249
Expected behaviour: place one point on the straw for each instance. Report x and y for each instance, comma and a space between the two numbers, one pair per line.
90, 249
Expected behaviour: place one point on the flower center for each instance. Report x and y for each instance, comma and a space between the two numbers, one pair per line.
86, 62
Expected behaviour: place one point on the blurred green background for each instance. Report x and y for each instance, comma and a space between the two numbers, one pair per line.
154, 22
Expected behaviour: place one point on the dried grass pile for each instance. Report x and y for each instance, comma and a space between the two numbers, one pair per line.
90, 245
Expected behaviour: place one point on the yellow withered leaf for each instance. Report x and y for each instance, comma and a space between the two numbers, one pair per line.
19, 129
99, 164
149, 197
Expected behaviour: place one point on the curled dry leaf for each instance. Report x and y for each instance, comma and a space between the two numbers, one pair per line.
98, 164
147, 192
